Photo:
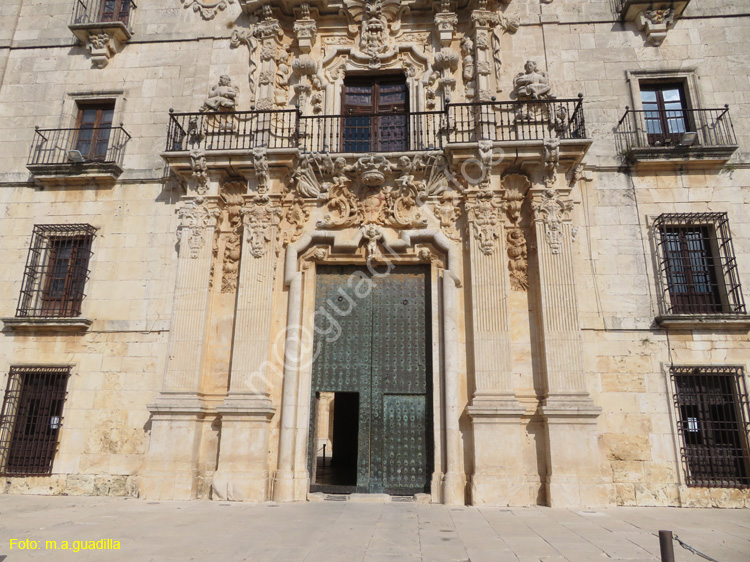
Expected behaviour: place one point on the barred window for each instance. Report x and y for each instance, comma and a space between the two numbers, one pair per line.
712, 406
698, 270
30, 419
56, 271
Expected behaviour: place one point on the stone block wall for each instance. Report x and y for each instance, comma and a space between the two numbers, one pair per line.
172, 60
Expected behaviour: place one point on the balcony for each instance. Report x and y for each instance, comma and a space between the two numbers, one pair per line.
680, 138
104, 26
628, 10
82, 156
520, 129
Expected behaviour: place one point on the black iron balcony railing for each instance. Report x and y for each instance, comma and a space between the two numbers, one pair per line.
371, 132
674, 128
102, 11
378, 132
516, 120
237, 130
83, 145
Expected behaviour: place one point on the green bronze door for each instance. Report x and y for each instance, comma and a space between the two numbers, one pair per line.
371, 350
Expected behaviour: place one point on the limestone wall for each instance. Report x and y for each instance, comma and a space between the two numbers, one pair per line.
172, 60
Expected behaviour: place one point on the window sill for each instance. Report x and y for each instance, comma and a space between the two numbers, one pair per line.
47, 324
739, 322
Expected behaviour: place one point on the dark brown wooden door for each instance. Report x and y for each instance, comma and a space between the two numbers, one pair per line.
94, 128
664, 113
375, 115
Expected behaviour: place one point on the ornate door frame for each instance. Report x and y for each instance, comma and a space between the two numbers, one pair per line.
292, 480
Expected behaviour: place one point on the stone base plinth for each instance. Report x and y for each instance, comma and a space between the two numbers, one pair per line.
454, 489
242, 473
574, 477
499, 474
171, 471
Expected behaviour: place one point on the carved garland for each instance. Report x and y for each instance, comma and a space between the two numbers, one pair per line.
208, 10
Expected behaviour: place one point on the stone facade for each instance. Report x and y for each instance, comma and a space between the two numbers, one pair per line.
551, 348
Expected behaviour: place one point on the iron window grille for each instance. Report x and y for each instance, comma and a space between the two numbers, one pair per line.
712, 405
31, 418
56, 271
697, 267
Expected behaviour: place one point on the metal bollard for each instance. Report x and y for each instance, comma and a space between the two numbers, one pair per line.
667, 546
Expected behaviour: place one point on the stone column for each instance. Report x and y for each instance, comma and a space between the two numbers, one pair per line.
242, 473
495, 411
283, 486
573, 466
177, 414
454, 480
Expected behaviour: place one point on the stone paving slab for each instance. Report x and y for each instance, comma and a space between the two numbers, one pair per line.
333, 531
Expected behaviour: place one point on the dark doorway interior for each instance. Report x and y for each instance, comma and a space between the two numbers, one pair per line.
339, 467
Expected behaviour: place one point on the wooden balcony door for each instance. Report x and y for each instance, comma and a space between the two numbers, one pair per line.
115, 10
94, 129
375, 115
665, 113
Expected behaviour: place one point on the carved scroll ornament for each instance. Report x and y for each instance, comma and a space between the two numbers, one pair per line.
208, 10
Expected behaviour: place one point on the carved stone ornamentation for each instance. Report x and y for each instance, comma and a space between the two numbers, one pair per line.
102, 47
371, 170
516, 187
551, 161
309, 87
486, 60
532, 83
376, 21
484, 219
448, 213
305, 29
199, 165
445, 25
247, 37
259, 221
275, 70
518, 264
232, 195
467, 51
551, 210
208, 10
260, 165
295, 219
222, 96
655, 24
446, 59
195, 217
373, 234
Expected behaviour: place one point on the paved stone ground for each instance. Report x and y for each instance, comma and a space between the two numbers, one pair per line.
347, 531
